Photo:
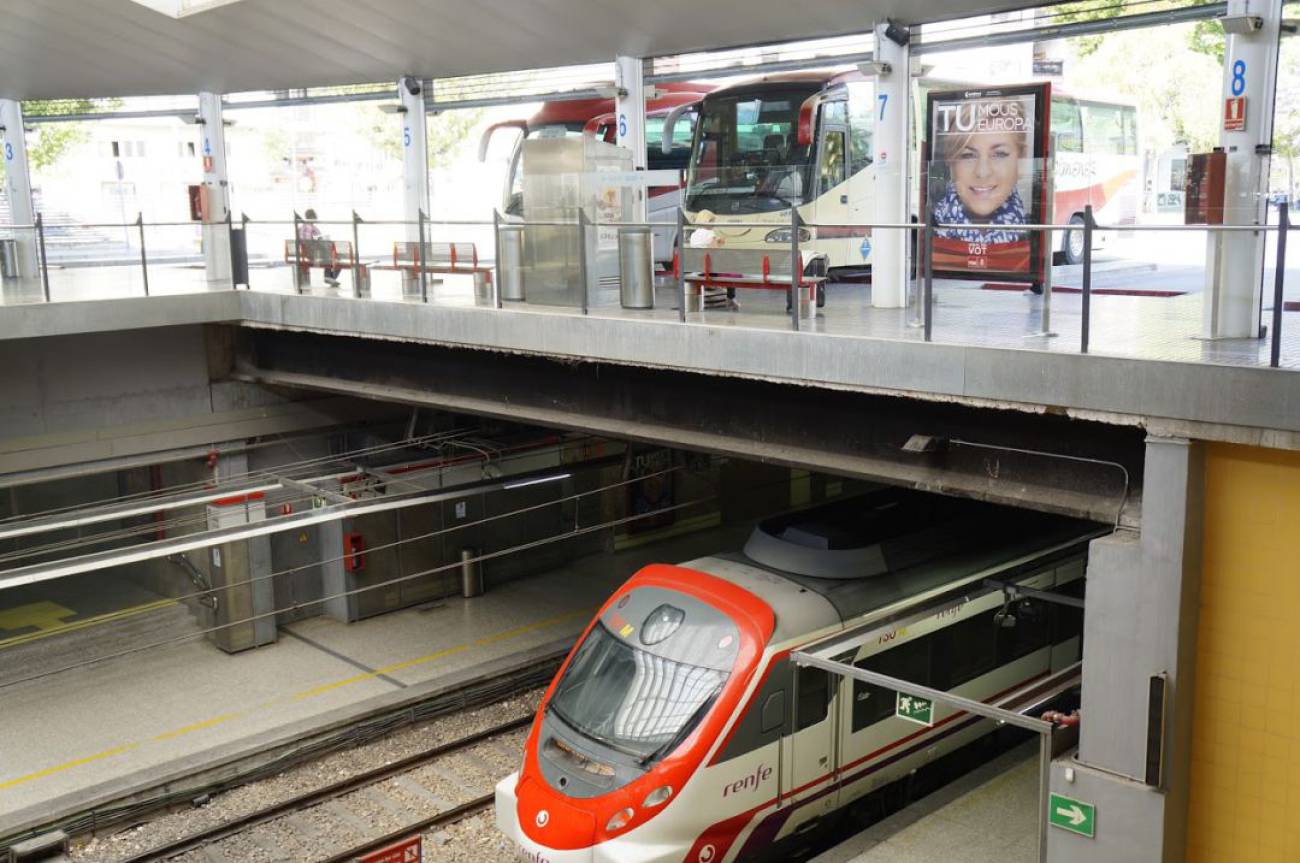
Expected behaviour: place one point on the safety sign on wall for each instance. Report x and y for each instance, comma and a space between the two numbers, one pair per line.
1234, 114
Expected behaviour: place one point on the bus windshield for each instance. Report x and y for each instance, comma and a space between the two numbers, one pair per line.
747, 156
632, 700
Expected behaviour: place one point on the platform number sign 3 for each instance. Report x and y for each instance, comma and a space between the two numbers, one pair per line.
9, 151
913, 709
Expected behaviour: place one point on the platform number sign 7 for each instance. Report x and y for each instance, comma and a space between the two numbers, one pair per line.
884, 100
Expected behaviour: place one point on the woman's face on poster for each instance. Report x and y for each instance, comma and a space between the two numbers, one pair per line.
985, 170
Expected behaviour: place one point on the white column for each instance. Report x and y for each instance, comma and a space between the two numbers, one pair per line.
893, 108
216, 185
629, 114
415, 154
1235, 261
18, 183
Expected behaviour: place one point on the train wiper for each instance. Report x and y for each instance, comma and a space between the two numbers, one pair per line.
682, 733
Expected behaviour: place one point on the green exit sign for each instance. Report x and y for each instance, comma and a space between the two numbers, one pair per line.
913, 709
1073, 815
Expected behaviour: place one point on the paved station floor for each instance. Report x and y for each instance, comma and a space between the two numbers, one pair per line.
988, 816
1128, 322
91, 733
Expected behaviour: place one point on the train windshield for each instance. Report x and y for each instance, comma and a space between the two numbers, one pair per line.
637, 702
747, 156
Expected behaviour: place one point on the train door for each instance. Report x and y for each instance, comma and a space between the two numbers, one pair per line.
812, 748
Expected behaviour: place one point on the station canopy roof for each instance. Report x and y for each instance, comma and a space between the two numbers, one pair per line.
53, 49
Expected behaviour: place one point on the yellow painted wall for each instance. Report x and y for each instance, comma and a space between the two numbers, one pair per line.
1245, 799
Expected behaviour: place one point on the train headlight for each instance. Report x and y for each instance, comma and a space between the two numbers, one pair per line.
782, 235
657, 797
620, 819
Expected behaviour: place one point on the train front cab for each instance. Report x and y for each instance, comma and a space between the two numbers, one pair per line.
628, 722
848, 741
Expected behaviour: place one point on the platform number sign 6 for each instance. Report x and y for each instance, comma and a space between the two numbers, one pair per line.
622, 125
1239, 77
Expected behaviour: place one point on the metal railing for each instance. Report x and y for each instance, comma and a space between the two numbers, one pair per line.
921, 300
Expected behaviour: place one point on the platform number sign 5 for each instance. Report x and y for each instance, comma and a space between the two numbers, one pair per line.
406, 136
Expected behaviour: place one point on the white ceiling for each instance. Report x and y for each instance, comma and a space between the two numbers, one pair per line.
83, 48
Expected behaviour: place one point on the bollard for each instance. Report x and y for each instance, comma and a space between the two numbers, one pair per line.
636, 268
471, 574
510, 267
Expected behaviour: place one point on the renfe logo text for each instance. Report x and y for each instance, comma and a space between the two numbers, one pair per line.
750, 782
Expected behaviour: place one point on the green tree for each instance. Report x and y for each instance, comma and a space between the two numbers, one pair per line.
448, 132
53, 140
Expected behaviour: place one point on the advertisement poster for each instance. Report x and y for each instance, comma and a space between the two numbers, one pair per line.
654, 490
987, 174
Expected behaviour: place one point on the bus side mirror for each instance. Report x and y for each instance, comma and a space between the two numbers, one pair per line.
666, 134
807, 119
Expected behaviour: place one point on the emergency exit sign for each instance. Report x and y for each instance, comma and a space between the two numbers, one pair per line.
1234, 114
913, 709
1072, 815
407, 851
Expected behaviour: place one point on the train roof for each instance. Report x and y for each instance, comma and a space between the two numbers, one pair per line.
908, 544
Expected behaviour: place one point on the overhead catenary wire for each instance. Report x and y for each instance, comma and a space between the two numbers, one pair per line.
298, 606
246, 476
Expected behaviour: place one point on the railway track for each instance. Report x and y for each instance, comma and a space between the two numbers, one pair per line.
345, 819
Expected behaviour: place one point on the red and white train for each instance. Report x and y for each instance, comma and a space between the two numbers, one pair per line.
669, 733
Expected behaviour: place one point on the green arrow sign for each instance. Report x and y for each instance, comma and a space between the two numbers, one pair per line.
1073, 815
913, 709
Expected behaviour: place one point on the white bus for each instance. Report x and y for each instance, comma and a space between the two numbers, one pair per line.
805, 139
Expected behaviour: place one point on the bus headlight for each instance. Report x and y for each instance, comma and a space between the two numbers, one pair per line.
782, 235
657, 797
620, 819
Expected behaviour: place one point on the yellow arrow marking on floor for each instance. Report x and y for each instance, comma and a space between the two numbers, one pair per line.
40, 616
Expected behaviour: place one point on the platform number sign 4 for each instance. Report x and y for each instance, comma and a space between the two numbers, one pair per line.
1072, 815
913, 709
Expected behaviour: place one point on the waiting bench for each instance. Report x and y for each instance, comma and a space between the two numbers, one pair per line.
302, 255
750, 268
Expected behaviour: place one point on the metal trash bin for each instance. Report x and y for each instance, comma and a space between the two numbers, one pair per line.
482, 288
510, 269
9, 258
471, 574
636, 268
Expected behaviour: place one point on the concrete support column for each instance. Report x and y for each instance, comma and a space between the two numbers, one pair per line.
238, 570
892, 111
18, 182
629, 113
1140, 620
1235, 261
216, 185
415, 154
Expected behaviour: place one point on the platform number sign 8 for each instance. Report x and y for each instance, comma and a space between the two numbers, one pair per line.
1239, 77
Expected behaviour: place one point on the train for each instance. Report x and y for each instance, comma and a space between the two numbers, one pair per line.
669, 732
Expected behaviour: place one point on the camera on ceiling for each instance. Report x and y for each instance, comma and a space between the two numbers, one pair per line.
412, 85
897, 34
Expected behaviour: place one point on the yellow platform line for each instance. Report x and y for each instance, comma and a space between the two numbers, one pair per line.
84, 622
203, 725
68, 765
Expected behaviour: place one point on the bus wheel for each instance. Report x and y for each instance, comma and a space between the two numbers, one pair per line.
1073, 253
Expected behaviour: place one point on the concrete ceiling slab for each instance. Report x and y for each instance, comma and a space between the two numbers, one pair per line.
86, 48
